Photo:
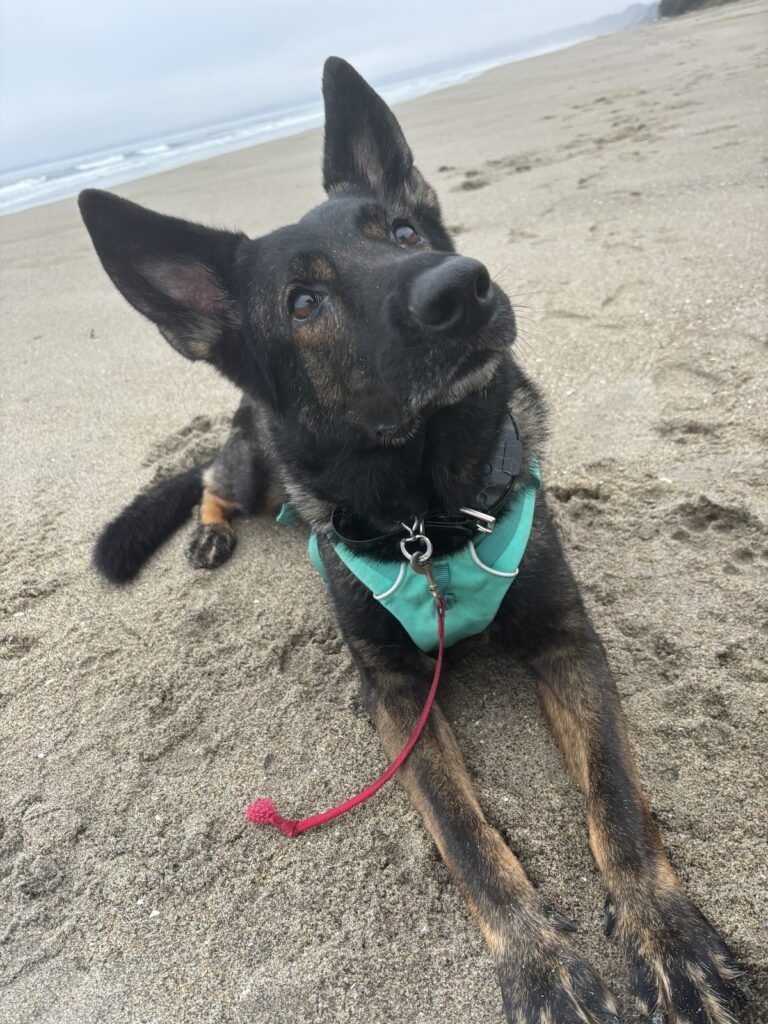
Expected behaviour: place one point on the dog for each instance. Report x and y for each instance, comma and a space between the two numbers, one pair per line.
382, 400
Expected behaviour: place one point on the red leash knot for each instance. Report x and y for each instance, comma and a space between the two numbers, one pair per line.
264, 812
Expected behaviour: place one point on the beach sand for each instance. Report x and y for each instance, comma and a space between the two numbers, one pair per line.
616, 189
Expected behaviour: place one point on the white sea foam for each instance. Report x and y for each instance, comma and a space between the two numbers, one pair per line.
23, 185
46, 183
105, 161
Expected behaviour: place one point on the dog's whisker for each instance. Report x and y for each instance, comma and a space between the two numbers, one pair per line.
495, 276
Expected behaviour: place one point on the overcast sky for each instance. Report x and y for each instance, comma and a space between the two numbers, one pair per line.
77, 77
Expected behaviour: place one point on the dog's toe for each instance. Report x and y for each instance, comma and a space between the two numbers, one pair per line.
211, 545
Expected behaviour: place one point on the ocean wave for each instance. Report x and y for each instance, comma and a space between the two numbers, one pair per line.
50, 182
105, 161
21, 186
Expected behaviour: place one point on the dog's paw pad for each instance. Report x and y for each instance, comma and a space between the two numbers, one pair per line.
211, 545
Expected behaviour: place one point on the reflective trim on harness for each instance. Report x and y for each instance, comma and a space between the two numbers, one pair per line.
487, 568
395, 585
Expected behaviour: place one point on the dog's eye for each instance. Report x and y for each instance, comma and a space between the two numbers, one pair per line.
405, 234
303, 303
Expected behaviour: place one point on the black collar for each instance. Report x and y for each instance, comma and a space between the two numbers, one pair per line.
498, 480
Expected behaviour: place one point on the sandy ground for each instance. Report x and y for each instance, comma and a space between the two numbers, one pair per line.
617, 190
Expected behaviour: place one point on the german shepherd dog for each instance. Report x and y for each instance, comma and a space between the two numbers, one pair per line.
378, 374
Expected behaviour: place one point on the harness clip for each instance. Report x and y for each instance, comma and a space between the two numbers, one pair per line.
421, 561
484, 522
425, 568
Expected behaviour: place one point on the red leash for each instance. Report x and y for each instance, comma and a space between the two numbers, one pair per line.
264, 812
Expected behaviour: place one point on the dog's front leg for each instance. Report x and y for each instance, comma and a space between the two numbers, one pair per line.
213, 539
237, 480
681, 970
543, 980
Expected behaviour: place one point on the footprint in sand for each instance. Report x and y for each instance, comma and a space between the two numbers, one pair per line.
702, 522
582, 504
27, 589
475, 179
192, 444
472, 182
704, 514
16, 645
621, 293
684, 431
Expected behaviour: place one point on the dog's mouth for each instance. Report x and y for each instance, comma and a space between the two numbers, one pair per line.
471, 376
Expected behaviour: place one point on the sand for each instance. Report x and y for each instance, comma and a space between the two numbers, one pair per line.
617, 190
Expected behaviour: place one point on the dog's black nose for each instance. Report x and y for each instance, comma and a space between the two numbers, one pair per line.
452, 295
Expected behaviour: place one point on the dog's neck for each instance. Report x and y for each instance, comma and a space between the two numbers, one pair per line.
438, 471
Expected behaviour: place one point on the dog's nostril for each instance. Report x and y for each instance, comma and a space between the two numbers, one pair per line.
482, 284
446, 308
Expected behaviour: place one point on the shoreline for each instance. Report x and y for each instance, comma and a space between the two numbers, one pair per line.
107, 168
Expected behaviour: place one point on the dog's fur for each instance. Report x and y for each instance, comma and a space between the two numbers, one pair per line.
370, 407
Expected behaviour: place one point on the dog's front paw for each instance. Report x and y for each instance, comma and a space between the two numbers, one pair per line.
547, 982
681, 971
211, 545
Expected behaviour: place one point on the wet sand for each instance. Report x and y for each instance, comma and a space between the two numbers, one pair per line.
617, 190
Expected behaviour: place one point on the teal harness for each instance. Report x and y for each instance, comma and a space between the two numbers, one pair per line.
472, 581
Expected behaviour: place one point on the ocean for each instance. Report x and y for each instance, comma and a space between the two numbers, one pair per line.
45, 183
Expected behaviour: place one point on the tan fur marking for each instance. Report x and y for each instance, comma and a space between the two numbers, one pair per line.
319, 270
568, 736
215, 510
373, 228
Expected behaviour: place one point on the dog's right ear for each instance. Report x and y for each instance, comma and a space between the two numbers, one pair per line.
178, 274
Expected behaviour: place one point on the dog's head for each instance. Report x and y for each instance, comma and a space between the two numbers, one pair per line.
357, 321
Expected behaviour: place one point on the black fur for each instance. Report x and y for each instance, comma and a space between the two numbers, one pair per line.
138, 531
377, 370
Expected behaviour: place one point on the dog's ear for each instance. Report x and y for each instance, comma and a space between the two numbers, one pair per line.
178, 274
364, 144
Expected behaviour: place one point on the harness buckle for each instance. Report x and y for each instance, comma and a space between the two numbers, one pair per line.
484, 523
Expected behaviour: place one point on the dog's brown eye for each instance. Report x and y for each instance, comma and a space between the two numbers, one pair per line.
303, 303
405, 234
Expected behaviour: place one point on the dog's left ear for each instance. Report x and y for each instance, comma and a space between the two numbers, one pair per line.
364, 144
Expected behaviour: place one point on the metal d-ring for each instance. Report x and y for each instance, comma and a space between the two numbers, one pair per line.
421, 556
416, 533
